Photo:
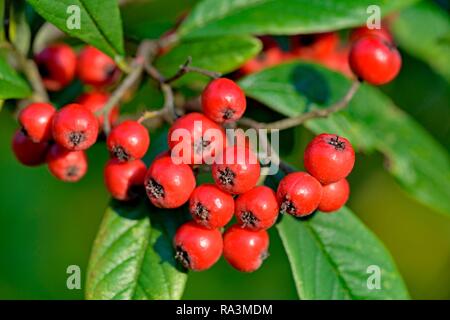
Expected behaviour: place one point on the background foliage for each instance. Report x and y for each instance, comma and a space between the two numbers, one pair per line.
57, 223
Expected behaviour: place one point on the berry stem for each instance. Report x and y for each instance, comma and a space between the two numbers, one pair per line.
29, 68
295, 121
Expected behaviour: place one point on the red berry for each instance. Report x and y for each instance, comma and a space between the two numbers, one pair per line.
269, 57
334, 196
197, 248
123, 179
57, 65
74, 127
96, 68
238, 171
257, 209
128, 141
95, 101
195, 139
299, 194
36, 121
223, 101
210, 206
66, 165
315, 46
375, 60
169, 185
28, 152
363, 31
245, 249
329, 158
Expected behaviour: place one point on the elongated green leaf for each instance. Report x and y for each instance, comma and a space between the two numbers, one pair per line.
423, 30
100, 22
334, 256
133, 258
149, 19
223, 54
371, 122
12, 86
223, 17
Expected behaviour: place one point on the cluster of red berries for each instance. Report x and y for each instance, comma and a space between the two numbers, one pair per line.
370, 54
60, 137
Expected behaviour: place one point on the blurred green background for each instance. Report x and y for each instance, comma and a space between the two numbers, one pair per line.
47, 225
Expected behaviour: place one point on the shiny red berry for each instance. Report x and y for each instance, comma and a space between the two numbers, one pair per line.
195, 139
27, 152
210, 206
124, 179
329, 158
375, 60
334, 196
299, 194
363, 31
94, 102
96, 68
245, 249
197, 248
57, 65
223, 101
36, 121
66, 165
74, 127
169, 185
257, 208
128, 141
237, 171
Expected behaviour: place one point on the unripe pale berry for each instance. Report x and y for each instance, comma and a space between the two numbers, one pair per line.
257, 208
299, 194
66, 165
238, 171
197, 248
169, 185
27, 152
375, 60
128, 141
245, 249
334, 196
124, 179
223, 101
74, 127
36, 121
329, 158
210, 206
57, 65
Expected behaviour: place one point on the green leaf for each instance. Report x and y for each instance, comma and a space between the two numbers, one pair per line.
211, 18
20, 33
224, 54
100, 22
12, 86
423, 30
331, 256
371, 122
132, 257
149, 19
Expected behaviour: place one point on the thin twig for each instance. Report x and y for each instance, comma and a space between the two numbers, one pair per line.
295, 121
147, 50
29, 68
186, 68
